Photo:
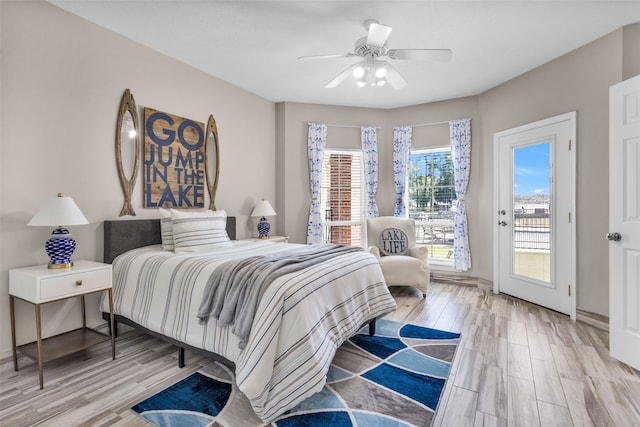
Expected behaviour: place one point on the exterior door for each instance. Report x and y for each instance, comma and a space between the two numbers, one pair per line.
534, 245
624, 221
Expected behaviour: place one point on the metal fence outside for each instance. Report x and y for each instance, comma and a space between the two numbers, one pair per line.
532, 229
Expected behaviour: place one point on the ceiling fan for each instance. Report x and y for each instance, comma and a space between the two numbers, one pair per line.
371, 70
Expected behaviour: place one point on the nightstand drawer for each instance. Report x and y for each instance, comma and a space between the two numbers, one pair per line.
63, 286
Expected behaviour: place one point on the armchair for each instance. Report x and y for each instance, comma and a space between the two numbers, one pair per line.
393, 241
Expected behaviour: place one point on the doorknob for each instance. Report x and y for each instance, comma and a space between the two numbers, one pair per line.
502, 223
614, 237
502, 212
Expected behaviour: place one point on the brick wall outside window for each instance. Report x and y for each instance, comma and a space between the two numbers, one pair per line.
341, 197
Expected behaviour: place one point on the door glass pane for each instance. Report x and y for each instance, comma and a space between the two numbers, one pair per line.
532, 211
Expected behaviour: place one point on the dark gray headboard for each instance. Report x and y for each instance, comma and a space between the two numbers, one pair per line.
122, 236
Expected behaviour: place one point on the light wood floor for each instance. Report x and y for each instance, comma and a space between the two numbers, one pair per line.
517, 365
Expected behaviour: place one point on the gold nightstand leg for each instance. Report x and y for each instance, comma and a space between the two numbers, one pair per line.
113, 329
39, 335
13, 332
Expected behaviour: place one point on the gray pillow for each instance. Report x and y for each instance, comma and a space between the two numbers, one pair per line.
393, 241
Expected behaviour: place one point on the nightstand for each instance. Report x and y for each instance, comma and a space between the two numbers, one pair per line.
40, 285
282, 239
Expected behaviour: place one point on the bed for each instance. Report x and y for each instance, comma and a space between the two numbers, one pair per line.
300, 319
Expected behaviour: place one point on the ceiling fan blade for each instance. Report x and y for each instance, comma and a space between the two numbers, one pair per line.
394, 78
334, 55
342, 76
378, 34
440, 55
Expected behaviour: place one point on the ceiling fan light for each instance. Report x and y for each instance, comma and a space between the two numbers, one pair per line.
381, 71
358, 72
381, 82
360, 83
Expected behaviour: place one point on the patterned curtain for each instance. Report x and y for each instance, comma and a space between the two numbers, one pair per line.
370, 155
401, 148
316, 141
460, 135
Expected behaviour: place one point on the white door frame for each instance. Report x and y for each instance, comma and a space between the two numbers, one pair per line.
496, 217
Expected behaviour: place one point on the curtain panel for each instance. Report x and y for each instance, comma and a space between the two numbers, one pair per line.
316, 141
370, 160
401, 149
460, 135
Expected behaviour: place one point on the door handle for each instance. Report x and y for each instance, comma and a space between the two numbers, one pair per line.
614, 237
502, 223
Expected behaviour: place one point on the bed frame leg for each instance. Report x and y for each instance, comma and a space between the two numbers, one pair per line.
372, 327
181, 357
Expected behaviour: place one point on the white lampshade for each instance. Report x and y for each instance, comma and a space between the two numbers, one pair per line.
263, 208
59, 211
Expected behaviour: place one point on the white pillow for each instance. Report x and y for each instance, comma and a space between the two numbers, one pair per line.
198, 231
166, 230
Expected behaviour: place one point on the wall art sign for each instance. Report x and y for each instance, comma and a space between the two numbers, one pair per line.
174, 161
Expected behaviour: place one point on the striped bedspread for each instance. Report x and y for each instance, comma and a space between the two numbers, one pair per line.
302, 318
236, 287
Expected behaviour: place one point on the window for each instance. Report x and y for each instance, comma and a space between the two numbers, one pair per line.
431, 197
341, 197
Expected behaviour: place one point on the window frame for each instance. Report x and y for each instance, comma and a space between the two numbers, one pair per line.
438, 263
327, 224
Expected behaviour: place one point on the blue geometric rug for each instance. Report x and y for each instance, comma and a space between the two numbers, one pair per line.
394, 379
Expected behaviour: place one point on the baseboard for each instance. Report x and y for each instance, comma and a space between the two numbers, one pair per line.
593, 319
459, 279
6, 355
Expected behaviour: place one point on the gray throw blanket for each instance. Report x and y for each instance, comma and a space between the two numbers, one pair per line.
235, 288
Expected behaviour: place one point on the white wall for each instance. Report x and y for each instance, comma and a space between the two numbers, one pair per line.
61, 82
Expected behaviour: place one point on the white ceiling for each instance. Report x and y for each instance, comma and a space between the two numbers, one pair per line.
254, 44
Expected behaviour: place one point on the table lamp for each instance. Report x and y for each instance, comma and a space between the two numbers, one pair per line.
263, 209
59, 211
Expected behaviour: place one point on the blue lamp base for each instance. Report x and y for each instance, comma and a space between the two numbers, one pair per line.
263, 228
60, 247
